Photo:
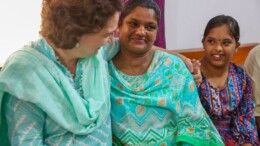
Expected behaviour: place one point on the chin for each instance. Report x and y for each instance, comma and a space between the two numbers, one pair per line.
219, 65
140, 49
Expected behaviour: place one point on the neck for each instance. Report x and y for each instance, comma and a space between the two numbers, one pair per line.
133, 64
67, 57
217, 76
212, 71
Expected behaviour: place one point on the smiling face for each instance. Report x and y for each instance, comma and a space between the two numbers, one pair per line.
90, 43
138, 31
220, 46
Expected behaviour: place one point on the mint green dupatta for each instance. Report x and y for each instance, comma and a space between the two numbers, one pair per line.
30, 76
160, 107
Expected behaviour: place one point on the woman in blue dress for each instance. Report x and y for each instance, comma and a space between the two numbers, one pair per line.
226, 89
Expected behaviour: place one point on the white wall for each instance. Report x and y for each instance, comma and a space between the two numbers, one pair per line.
186, 20
20, 23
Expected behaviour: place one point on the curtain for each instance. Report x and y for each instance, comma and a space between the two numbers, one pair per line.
160, 40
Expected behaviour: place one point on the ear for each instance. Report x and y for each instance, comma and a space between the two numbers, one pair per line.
237, 45
203, 46
117, 31
202, 42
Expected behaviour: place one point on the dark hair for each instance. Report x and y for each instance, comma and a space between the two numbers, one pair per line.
220, 20
65, 21
130, 5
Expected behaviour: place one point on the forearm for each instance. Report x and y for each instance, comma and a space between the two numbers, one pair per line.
192, 65
246, 144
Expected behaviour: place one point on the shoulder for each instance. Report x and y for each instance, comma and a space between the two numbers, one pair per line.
254, 52
166, 56
23, 63
252, 61
171, 62
24, 57
238, 71
109, 50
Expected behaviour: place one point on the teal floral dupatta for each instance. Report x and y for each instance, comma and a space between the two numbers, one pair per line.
160, 107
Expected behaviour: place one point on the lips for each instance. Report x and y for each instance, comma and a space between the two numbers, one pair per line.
139, 40
218, 56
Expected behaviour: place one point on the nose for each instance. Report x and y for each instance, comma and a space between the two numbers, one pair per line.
111, 39
140, 30
219, 47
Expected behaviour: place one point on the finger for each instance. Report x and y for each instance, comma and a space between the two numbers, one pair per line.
198, 80
189, 64
196, 66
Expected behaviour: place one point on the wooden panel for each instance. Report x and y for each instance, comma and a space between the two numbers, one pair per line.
238, 59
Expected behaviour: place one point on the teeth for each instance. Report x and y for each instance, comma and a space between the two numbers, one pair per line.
217, 56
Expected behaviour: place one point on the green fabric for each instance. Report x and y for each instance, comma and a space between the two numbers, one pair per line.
30, 76
196, 142
160, 107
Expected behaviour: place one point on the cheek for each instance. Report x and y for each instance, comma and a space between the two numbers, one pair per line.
99, 41
206, 49
153, 36
232, 53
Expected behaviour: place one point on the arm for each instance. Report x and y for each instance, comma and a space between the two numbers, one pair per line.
244, 122
252, 67
195, 115
183, 58
193, 65
111, 49
25, 122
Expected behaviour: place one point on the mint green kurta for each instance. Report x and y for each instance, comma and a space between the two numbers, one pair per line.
42, 105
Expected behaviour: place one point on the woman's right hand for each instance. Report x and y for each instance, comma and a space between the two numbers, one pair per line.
196, 72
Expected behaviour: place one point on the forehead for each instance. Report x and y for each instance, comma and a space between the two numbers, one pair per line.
220, 31
111, 24
142, 14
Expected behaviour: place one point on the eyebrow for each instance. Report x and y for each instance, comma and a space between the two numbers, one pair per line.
133, 19
218, 39
137, 20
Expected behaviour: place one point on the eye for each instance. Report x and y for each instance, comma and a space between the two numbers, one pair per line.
226, 42
133, 24
151, 27
211, 41
109, 34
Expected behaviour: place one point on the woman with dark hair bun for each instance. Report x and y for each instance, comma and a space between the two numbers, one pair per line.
55, 90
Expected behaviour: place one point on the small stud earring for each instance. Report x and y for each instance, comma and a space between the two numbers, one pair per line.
77, 45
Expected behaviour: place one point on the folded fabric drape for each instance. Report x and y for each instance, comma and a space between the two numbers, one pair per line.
30, 76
